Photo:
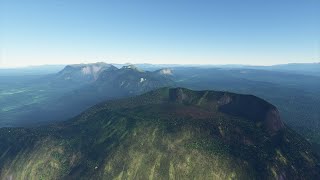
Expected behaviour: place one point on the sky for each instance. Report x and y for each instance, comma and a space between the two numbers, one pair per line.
253, 32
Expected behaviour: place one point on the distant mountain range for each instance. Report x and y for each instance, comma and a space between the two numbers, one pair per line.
108, 79
301, 68
77, 87
307, 68
163, 134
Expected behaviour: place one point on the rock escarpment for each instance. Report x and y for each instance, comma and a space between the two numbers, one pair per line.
254, 109
248, 107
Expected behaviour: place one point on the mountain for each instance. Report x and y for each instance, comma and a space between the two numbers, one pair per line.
37, 100
132, 80
102, 77
111, 84
116, 83
84, 73
163, 134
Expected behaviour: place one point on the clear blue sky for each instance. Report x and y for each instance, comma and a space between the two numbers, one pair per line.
159, 31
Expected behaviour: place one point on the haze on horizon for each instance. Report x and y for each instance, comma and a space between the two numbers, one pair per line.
259, 32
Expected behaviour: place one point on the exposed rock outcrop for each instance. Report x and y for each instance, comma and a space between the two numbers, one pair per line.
246, 106
254, 109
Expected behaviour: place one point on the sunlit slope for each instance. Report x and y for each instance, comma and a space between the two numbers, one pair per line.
164, 134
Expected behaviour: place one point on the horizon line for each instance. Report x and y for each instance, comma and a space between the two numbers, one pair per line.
159, 64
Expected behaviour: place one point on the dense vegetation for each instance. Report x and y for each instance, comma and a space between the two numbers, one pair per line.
164, 134
297, 96
41, 99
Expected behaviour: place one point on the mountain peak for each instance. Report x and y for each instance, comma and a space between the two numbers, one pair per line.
165, 71
132, 67
89, 65
84, 72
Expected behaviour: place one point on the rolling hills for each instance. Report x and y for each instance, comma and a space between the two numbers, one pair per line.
163, 134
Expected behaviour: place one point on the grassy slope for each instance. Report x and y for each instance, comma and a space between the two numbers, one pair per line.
150, 138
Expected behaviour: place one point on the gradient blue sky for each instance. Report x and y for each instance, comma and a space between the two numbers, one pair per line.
259, 32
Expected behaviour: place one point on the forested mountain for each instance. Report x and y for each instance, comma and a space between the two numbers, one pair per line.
166, 133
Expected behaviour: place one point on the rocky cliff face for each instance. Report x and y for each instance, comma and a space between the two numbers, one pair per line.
249, 107
253, 108
84, 72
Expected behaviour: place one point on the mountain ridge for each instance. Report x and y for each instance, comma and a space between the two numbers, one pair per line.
84, 72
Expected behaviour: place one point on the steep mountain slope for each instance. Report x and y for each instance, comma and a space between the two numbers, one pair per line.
164, 134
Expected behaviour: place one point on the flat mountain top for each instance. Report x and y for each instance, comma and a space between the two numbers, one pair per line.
84, 72
163, 134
